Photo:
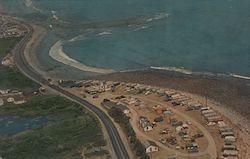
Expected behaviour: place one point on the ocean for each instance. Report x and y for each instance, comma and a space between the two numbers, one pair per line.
198, 36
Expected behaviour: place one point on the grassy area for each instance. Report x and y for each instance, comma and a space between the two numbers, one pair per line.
10, 77
74, 129
7, 45
44, 105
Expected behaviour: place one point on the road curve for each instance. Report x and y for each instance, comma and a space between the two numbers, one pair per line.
31, 73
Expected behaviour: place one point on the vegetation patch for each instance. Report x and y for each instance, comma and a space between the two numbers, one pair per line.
74, 129
123, 121
10, 77
7, 45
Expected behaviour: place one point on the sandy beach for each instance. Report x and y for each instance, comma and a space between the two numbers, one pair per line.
56, 52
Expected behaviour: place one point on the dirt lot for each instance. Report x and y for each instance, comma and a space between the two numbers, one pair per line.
209, 146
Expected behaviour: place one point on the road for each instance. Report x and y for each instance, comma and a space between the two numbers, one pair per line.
28, 71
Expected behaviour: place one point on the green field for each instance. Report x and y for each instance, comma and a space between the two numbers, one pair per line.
10, 78
73, 129
7, 45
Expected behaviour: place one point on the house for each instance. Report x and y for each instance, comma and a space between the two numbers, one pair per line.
145, 124
178, 129
210, 115
192, 147
10, 99
229, 147
142, 119
19, 102
230, 153
230, 139
205, 108
147, 127
185, 126
175, 96
4, 91
203, 112
1, 102
214, 118
166, 112
224, 134
157, 109
170, 93
158, 119
196, 106
225, 129
175, 122
150, 146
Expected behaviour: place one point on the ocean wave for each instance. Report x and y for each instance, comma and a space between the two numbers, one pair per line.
29, 4
240, 76
105, 33
78, 38
157, 17
56, 17
56, 52
175, 69
190, 72
141, 28
207, 74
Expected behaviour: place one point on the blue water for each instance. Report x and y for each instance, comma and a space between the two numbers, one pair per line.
208, 35
15, 124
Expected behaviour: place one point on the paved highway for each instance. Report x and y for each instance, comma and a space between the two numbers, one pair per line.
27, 70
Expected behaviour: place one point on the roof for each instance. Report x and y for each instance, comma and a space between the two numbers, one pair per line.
149, 143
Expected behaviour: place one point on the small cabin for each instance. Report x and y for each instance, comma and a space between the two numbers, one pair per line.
150, 146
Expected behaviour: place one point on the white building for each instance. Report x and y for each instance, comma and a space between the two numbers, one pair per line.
4, 91
10, 99
19, 102
150, 146
148, 127
145, 124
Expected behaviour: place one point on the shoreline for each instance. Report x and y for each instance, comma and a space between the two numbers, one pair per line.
234, 93
229, 92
